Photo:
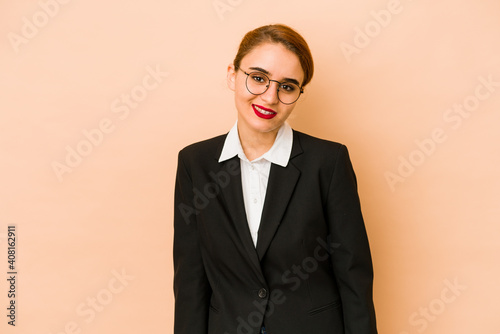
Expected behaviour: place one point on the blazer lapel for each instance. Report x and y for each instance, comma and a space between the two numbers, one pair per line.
280, 187
233, 197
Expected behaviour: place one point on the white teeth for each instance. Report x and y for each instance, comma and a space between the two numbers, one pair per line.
265, 112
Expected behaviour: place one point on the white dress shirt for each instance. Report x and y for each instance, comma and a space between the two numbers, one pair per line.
255, 173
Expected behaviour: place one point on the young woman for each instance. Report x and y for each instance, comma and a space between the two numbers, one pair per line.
269, 235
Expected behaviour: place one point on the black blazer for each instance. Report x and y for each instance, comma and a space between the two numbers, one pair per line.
311, 272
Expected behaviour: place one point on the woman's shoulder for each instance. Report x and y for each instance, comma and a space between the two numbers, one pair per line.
322, 152
204, 147
309, 142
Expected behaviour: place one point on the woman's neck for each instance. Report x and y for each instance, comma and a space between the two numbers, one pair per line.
255, 143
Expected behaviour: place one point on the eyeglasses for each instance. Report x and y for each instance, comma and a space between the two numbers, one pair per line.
258, 83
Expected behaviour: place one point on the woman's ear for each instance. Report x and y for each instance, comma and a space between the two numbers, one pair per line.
231, 77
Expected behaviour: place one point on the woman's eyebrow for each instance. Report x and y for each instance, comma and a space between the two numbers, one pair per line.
260, 69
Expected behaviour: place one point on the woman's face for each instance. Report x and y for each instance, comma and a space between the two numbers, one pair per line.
264, 113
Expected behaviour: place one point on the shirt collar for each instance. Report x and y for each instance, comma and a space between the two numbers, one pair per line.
279, 153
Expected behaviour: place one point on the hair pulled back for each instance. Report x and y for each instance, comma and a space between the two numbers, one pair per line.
284, 35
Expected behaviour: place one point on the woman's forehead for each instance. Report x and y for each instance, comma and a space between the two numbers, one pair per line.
276, 60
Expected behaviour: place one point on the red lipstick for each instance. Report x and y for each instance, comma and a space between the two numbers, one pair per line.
263, 112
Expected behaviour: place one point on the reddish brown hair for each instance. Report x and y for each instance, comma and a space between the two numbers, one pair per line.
282, 34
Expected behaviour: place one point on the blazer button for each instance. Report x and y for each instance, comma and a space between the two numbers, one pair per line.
262, 293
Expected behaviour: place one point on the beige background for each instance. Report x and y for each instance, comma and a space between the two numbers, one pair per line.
388, 95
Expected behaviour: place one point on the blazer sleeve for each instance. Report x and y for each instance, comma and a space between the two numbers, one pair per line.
191, 287
351, 257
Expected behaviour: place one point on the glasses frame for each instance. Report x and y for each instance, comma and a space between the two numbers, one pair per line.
268, 85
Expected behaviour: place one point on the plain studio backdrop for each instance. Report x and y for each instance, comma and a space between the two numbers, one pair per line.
97, 98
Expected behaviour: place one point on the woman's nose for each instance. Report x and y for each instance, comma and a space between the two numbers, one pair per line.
271, 94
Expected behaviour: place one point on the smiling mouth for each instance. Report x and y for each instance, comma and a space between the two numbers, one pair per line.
263, 112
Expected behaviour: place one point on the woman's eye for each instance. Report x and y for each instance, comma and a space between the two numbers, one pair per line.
258, 78
287, 87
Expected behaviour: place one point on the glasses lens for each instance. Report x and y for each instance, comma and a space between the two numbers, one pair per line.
257, 83
288, 92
